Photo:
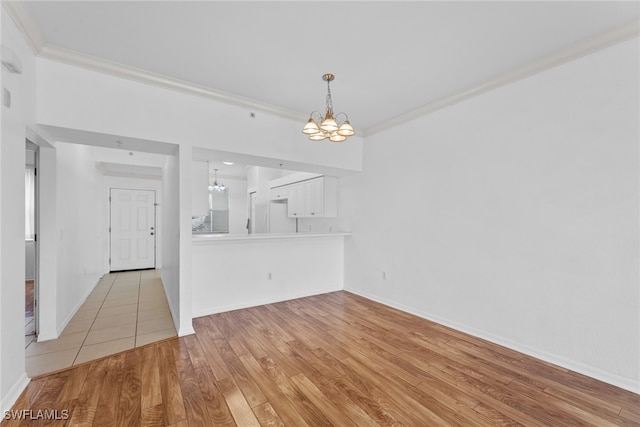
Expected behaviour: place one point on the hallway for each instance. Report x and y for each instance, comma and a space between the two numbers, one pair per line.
124, 311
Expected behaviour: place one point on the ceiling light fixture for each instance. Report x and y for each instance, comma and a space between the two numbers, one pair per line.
215, 186
327, 126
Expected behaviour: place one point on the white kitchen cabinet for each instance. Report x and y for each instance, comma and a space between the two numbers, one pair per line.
296, 201
315, 197
280, 193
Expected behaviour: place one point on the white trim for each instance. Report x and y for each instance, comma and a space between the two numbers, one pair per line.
560, 57
572, 365
27, 26
23, 20
14, 393
101, 65
72, 313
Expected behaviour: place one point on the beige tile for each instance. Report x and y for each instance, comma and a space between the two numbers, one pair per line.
152, 306
92, 308
111, 321
77, 326
155, 336
149, 274
152, 289
28, 339
154, 325
96, 351
125, 287
127, 281
118, 310
98, 295
46, 363
154, 315
109, 334
84, 315
65, 342
118, 301
148, 282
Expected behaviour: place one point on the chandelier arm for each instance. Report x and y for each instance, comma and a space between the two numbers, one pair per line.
344, 114
315, 111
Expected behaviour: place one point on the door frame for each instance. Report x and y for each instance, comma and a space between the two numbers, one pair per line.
29, 145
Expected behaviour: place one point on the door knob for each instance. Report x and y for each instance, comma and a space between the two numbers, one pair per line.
152, 233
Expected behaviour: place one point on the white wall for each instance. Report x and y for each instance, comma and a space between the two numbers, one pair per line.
77, 98
514, 216
48, 234
81, 225
230, 274
12, 262
199, 188
171, 237
176, 240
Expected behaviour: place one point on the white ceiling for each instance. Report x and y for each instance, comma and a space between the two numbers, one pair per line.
389, 58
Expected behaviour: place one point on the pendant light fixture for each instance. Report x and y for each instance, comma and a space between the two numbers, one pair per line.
327, 126
215, 186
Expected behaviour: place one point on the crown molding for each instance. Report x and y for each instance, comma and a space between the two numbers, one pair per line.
576, 51
25, 24
81, 60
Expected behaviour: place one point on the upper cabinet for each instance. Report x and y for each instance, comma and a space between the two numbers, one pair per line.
316, 197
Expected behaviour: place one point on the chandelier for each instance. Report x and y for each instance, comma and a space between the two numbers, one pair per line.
327, 126
215, 186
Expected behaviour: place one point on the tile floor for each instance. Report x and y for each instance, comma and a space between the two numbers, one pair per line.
125, 310
29, 320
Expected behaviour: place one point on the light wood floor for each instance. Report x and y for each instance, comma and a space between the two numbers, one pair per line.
333, 359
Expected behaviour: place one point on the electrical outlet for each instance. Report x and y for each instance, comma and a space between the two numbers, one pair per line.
269, 276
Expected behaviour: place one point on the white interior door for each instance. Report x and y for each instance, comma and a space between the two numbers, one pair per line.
133, 229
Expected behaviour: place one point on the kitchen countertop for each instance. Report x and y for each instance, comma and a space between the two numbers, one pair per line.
222, 238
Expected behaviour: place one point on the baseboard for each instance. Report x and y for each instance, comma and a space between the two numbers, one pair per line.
73, 312
13, 394
572, 365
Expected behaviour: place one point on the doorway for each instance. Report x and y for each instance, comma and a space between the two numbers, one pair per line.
30, 242
132, 229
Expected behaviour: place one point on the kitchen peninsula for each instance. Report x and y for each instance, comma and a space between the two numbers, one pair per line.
238, 271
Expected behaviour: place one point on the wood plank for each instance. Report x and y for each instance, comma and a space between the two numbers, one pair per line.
194, 405
213, 399
170, 384
332, 359
129, 409
109, 400
285, 409
152, 410
239, 407
88, 393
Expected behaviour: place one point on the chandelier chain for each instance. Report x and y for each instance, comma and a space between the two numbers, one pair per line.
329, 101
